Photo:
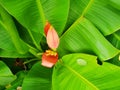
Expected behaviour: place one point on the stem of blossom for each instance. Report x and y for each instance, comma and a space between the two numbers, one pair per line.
32, 51
31, 60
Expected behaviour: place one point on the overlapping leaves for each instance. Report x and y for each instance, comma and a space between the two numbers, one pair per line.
84, 26
6, 76
89, 25
84, 37
75, 71
98, 13
39, 77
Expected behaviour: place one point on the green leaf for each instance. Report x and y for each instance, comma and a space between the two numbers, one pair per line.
6, 42
28, 13
14, 54
11, 40
99, 12
24, 34
2, 88
12, 43
32, 13
81, 72
18, 82
115, 60
56, 12
115, 3
38, 78
6, 76
75, 11
83, 36
115, 40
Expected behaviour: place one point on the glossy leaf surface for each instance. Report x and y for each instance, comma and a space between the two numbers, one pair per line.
81, 72
83, 36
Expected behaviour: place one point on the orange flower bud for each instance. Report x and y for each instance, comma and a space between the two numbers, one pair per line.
49, 58
46, 28
52, 38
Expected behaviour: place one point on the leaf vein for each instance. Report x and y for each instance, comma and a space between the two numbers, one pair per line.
80, 76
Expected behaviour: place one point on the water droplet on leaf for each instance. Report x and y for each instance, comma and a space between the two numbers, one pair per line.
81, 62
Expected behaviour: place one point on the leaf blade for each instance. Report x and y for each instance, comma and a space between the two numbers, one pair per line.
8, 28
6, 75
65, 74
86, 39
38, 78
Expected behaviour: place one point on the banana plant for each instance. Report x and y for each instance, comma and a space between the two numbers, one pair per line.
59, 44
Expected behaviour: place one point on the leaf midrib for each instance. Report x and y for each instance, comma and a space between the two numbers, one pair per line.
41, 13
80, 18
80, 76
